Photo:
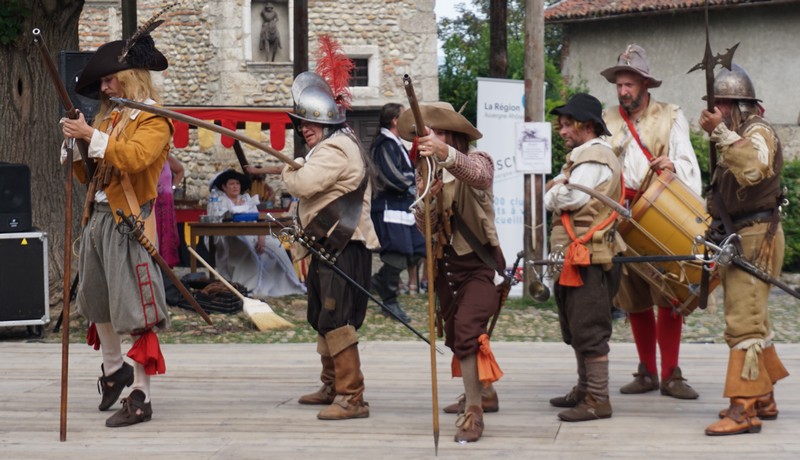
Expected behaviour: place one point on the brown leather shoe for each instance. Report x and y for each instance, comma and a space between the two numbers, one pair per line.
677, 387
571, 399
110, 387
469, 425
588, 409
643, 382
324, 395
343, 408
134, 410
740, 418
489, 403
766, 408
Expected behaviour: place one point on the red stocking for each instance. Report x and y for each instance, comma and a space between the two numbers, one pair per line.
670, 323
643, 325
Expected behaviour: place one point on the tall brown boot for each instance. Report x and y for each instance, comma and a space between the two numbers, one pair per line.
766, 407
740, 418
349, 381
744, 393
326, 393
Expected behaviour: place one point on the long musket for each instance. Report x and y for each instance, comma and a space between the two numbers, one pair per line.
422, 130
293, 235
148, 246
69, 108
83, 149
171, 114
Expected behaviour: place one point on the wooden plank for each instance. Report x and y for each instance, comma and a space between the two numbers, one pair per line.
238, 401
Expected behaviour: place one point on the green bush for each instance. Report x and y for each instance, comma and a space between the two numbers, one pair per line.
791, 215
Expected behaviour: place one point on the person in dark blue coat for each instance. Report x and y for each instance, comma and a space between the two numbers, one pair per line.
402, 244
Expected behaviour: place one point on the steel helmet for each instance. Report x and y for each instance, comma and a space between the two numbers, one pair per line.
314, 102
734, 84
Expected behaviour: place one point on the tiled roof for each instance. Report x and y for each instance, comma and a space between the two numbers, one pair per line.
575, 10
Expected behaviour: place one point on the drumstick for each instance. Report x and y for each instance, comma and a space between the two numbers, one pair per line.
605, 199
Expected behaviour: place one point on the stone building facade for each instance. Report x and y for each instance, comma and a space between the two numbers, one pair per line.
215, 60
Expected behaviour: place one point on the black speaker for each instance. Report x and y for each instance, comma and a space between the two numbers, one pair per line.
70, 66
15, 198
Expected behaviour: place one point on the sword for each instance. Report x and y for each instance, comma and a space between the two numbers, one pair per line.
166, 113
728, 254
295, 235
148, 246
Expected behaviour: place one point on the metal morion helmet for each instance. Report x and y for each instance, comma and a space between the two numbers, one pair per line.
314, 102
734, 84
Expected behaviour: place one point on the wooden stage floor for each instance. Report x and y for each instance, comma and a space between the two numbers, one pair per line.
239, 402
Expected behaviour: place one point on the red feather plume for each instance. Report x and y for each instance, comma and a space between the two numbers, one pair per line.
335, 67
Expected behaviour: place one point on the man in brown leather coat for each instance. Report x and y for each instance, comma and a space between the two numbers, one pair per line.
746, 188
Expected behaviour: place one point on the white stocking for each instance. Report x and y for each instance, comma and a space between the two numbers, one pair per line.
110, 347
141, 381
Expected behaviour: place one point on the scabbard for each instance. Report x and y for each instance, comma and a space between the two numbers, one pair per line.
148, 246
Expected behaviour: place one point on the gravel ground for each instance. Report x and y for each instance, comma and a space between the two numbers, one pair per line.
520, 320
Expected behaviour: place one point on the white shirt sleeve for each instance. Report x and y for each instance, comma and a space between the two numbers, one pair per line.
682, 154
562, 198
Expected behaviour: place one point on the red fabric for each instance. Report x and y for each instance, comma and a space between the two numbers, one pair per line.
276, 119
643, 325
147, 352
92, 339
488, 369
180, 138
227, 142
455, 367
413, 154
669, 328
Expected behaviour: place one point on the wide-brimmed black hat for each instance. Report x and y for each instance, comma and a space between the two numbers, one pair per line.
583, 107
223, 178
106, 61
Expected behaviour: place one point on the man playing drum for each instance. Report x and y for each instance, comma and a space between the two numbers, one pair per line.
649, 135
746, 195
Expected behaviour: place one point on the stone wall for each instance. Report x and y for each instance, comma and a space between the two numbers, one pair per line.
209, 47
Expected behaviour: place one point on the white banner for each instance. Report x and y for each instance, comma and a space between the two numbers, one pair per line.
500, 108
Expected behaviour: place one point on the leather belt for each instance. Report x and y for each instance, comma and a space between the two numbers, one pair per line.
746, 219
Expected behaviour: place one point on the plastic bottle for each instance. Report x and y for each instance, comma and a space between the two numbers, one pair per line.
214, 206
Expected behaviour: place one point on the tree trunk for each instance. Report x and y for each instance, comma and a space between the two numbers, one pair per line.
498, 38
29, 122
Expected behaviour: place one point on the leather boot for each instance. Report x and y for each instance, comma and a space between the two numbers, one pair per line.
766, 408
773, 364
326, 393
643, 382
349, 383
469, 426
489, 402
740, 418
134, 410
596, 404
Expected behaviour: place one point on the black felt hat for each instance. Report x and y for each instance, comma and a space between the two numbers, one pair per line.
223, 177
583, 107
142, 54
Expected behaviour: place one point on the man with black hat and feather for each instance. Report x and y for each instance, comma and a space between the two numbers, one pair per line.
121, 290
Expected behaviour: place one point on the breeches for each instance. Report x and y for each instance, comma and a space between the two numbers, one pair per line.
746, 315
468, 298
332, 301
584, 312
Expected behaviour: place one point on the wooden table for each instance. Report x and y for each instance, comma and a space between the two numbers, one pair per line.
198, 229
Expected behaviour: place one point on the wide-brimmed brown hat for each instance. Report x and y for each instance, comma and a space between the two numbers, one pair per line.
105, 61
223, 178
633, 59
437, 115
